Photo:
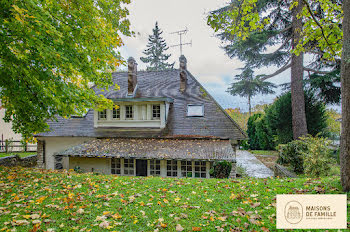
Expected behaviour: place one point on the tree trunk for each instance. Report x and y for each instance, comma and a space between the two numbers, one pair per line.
345, 98
249, 105
297, 74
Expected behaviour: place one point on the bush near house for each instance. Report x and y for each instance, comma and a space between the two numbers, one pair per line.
44, 200
279, 117
221, 169
309, 155
274, 126
258, 133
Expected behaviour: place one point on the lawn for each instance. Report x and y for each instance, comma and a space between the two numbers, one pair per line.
55, 201
21, 154
263, 152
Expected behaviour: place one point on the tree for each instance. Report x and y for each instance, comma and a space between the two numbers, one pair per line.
279, 117
51, 52
249, 86
155, 52
328, 28
264, 33
345, 95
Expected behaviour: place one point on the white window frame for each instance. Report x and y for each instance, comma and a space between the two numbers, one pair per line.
171, 168
153, 170
200, 169
157, 112
114, 166
117, 113
100, 113
132, 112
130, 167
195, 114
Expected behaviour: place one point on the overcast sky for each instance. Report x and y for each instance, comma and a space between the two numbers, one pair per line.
205, 59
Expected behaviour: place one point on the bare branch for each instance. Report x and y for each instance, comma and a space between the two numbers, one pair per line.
315, 71
281, 70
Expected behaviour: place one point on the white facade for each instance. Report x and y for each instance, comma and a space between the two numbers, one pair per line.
142, 115
6, 131
104, 166
58, 144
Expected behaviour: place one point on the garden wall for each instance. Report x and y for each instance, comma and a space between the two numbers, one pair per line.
282, 171
15, 160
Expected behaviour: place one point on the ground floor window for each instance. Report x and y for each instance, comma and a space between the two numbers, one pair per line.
171, 168
116, 166
186, 168
154, 167
200, 169
129, 167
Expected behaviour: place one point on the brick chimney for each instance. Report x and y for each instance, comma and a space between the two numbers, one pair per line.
183, 73
132, 75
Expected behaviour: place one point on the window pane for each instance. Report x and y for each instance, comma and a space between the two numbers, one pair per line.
129, 112
116, 113
102, 114
155, 111
195, 110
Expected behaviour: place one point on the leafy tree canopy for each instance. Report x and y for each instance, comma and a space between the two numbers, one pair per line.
279, 117
155, 52
254, 21
52, 52
248, 86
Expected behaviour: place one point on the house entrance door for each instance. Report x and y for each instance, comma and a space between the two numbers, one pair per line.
141, 167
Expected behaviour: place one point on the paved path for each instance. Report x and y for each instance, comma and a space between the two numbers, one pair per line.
252, 166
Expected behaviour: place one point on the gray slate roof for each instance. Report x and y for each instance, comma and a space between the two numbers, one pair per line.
151, 84
198, 149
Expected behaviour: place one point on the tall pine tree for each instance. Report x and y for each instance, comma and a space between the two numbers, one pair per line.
155, 52
252, 37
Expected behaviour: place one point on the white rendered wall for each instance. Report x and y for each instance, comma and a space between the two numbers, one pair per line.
57, 144
6, 129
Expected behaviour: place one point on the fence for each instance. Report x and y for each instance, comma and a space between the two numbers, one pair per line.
16, 146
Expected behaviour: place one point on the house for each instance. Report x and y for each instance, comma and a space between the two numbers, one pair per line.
167, 124
6, 132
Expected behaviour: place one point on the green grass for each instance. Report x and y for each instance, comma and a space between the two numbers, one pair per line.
263, 152
66, 201
21, 154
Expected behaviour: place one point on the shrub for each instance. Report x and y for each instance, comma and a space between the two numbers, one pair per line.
309, 155
279, 117
251, 131
244, 145
292, 154
221, 169
258, 133
317, 159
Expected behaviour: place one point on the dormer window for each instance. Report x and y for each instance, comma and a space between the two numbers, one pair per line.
155, 112
102, 115
129, 112
116, 113
195, 110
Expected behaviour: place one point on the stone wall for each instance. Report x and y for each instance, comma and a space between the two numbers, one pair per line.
233, 170
15, 160
282, 171
40, 152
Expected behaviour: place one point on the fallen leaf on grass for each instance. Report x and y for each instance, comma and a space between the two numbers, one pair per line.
80, 211
222, 218
179, 227
20, 222
196, 228
104, 224
256, 204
